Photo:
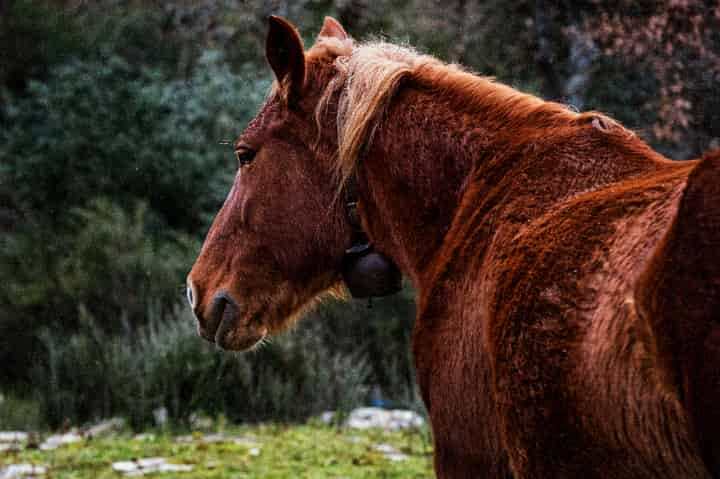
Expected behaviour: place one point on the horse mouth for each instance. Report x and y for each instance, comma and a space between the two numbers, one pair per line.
231, 329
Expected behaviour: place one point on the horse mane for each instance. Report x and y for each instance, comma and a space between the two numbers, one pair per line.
367, 76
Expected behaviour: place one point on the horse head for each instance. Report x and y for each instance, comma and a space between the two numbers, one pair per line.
280, 240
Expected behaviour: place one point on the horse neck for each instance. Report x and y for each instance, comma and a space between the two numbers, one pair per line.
411, 178
426, 152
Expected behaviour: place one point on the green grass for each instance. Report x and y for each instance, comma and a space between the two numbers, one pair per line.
307, 451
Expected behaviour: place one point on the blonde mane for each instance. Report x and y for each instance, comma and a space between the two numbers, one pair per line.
369, 74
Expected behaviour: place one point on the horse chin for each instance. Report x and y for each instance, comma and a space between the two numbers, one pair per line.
240, 339
239, 332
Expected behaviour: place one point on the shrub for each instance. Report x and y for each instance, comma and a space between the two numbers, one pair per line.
111, 169
20, 414
115, 129
99, 130
165, 364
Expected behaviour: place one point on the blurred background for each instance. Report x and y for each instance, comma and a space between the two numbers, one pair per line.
113, 115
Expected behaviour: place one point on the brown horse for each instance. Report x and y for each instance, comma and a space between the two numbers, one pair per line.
568, 276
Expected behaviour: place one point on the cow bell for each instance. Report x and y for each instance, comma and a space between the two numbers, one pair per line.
368, 273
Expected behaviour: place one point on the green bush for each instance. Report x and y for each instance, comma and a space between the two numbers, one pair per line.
115, 129
111, 169
100, 130
20, 414
34, 36
165, 364
104, 262
383, 331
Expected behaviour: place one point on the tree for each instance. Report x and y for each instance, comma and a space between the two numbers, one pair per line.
679, 42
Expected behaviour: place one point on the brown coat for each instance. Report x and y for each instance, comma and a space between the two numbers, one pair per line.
568, 276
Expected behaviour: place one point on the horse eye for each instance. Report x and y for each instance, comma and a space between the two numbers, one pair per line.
244, 156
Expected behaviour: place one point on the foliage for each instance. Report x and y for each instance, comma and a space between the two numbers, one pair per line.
111, 168
307, 451
92, 374
97, 131
103, 261
383, 331
18, 414
674, 40
619, 57
34, 37
125, 131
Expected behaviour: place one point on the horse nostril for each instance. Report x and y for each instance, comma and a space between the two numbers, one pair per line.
190, 294
222, 316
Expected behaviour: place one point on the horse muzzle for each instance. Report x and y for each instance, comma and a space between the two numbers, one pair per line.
228, 326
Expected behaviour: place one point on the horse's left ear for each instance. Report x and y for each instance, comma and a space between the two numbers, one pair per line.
285, 54
332, 29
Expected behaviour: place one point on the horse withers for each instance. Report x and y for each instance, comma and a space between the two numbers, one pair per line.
568, 276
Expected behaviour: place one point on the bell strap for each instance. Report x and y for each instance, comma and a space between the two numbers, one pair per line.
359, 241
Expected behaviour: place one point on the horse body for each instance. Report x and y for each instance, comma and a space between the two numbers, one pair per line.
528, 306
567, 275
566, 364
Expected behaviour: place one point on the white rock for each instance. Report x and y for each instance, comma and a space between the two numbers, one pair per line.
13, 436
148, 462
385, 448
213, 438
404, 419
148, 465
105, 427
187, 439
57, 440
241, 441
198, 421
327, 417
255, 451
22, 471
175, 467
372, 417
245, 441
10, 447
368, 417
125, 466
396, 456
390, 452
161, 416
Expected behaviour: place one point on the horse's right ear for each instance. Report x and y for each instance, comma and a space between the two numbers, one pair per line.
332, 29
285, 54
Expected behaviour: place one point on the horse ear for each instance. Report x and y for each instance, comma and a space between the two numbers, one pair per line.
332, 29
285, 54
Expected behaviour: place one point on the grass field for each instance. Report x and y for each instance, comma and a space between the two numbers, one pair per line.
265, 451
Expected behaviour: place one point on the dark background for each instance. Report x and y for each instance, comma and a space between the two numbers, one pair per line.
113, 115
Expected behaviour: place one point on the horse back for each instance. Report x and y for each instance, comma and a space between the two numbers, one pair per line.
680, 296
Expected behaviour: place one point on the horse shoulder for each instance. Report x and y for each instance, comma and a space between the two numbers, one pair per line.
536, 323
